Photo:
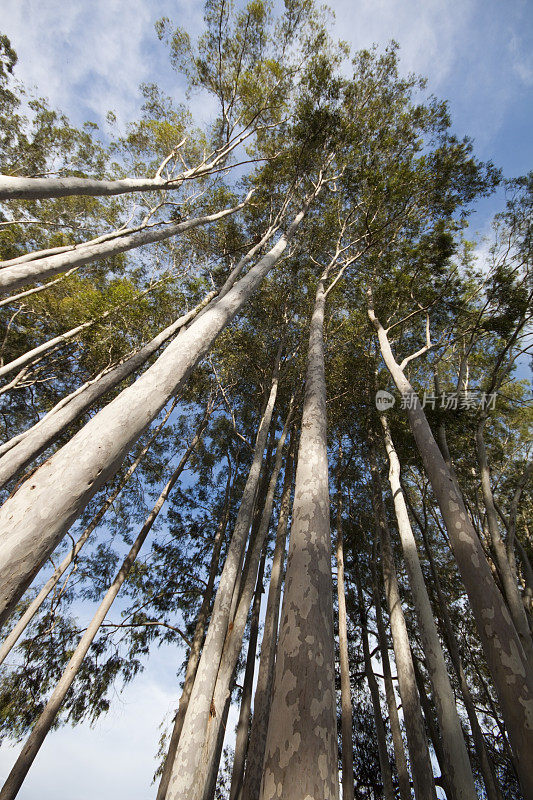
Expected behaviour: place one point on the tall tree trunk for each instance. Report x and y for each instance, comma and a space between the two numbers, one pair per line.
265, 676
301, 749
243, 724
400, 759
20, 274
457, 762
421, 771
31, 525
381, 736
44, 723
196, 644
14, 635
501, 642
346, 692
189, 776
510, 587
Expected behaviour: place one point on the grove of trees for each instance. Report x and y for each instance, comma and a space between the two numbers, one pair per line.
262, 401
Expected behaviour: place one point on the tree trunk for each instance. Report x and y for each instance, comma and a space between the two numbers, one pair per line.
241, 739
189, 776
501, 643
14, 635
510, 587
265, 676
346, 692
457, 762
400, 760
17, 275
381, 736
421, 771
47, 717
31, 524
301, 749
196, 645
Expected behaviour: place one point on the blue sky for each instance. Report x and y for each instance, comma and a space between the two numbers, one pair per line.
89, 57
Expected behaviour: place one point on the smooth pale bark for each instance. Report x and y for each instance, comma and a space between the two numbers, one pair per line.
13, 187
36, 517
265, 675
346, 692
22, 449
17, 275
509, 584
381, 736
241, 738
44, 723
196, 645
421, 771
404, 782
301, 750
200, 711
456, 760
14, 635
501, 643
187, 783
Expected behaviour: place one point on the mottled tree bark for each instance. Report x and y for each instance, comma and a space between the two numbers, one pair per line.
20, 274
346, 692
456, 760
265, 677
421, 771
301, 750
381, 736
37, 516
44, 723
14, 635
501, 643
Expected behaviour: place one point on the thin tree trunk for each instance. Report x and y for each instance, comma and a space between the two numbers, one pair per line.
510, 587
241, 739
400, 759
196, 645
22, 449
265, 676
301, 750
346, 692
31, 525
421, 771
381, 736
190, 777
48, 715
457, 763
501, 643
14, 635
17, 275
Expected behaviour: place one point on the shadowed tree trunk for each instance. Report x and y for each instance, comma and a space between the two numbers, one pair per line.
301, 750
501, 642
456, 761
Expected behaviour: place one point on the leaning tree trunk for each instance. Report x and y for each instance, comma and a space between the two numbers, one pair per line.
241, 738
14, 635
196, 644
37, 516
346, 692
501, 642
404, 782
421, 771
301, 750
381, 736
20, 274
457, 762
46, 720
265, 676
189, 777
